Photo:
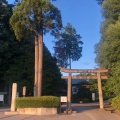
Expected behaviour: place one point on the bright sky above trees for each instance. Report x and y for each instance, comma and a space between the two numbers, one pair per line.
85, 17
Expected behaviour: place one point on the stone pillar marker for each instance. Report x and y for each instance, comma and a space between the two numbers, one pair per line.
100, 91
14, 92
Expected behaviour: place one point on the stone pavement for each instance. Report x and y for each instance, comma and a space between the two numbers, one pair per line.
88, 111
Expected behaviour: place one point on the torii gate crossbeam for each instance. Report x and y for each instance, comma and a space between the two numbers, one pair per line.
97, 76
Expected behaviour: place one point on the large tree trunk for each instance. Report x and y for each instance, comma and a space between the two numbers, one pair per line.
36, 66
40, 50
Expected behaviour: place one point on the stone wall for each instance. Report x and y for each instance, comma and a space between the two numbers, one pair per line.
37, 111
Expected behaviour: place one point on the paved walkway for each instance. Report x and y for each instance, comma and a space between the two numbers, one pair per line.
89, 111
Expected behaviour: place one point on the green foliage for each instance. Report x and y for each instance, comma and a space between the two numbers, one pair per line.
67, 47
35, 15
94, 87
109, 56
111, 9
100, 2
16, 60
5, 13
85, 100
84, 94
110, 101
21, 69
116, 102
37, 102
7, 41
52, 82
108, 49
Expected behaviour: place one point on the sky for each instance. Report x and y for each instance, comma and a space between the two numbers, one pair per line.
85, 17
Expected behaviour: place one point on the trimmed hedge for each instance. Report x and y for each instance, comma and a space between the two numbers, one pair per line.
116, 102
37, 102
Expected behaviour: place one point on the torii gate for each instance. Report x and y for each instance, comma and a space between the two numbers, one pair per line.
98, 76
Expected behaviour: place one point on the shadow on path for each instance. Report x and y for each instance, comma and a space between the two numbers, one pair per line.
82, 107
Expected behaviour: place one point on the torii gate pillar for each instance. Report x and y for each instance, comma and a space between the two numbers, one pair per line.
100, 91
69, 92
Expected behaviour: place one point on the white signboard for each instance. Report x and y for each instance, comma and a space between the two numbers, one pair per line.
1, 97
93, 96
63, 98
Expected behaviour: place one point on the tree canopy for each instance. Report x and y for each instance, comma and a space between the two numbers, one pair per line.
35, 15
52, 82
100, 2
108, 49
6, 38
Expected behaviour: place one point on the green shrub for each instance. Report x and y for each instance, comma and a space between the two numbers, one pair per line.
1, 104
37, 102
110, 101
116, 102
85, 100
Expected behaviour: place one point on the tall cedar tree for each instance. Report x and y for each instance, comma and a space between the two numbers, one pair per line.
40, 17
68, 46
